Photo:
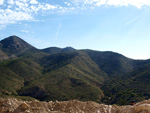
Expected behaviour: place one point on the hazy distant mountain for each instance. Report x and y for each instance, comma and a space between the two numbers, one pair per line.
63, 74
53, 50
68, 49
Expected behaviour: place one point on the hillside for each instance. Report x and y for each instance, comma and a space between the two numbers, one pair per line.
14, 46
66, 73
63, 79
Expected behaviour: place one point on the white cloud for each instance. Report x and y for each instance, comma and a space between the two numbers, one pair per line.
21, 5
26, 31
33, 2
13, 11
101, 2
11, 2
67, 3
1, 2
136, 3
9, 16
24, 1
46, 7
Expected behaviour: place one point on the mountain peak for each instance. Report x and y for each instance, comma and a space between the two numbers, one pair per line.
12, 41
68, 49
53, 50
14, 45
12, 38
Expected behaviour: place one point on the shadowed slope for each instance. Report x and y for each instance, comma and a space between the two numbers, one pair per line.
64, 74
67, 78
14, 46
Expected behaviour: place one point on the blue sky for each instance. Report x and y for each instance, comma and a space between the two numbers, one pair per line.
106, 25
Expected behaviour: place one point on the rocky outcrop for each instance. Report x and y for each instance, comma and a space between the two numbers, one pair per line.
10, 105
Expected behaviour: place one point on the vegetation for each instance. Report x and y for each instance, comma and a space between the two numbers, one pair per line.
66, 74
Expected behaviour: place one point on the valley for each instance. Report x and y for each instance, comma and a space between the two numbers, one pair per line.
66, 74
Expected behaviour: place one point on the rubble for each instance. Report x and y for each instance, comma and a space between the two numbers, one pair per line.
10, 105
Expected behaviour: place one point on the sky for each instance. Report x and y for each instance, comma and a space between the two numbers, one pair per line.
121, 26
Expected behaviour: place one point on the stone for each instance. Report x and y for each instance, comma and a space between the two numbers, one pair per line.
24, 106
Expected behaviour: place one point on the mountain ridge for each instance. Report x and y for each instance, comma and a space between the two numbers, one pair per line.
47, 49
66, 73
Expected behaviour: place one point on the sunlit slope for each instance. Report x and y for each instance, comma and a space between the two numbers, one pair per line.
17, 72
65, 73
66, 76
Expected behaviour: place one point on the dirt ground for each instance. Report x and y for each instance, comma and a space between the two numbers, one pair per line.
11, 105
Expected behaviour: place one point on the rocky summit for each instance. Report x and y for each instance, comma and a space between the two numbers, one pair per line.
9, 105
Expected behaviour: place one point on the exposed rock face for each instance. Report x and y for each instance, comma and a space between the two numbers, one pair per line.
73, 106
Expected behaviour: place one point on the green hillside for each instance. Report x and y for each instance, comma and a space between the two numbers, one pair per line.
64, 74
65, 77
16, 72
133, 86
113, 64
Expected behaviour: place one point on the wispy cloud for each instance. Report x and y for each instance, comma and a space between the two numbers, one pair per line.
134, 20
58, 30
26, 31
13, 11
136, 3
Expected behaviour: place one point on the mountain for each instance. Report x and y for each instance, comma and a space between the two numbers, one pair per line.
53, 50
64, 78
14, 46
113, 64
132, 86
68, 49
66, 73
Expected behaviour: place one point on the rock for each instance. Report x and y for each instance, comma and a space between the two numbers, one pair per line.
1, 102
73, 106
143, 107
24, 106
